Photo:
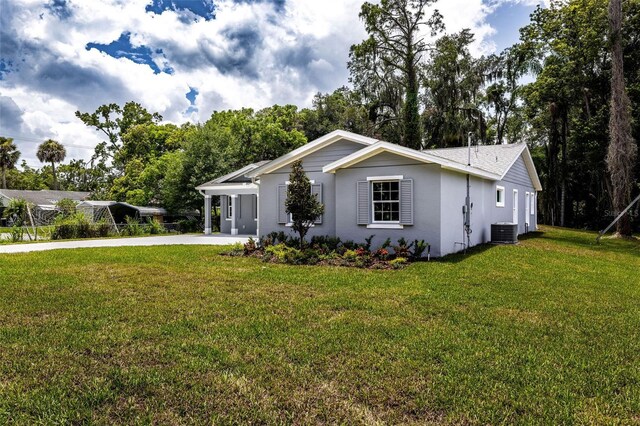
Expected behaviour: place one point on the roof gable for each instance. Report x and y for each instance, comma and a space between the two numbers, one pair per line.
310, 148
235, 174
421, 156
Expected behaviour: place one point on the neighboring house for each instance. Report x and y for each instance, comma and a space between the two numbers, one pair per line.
42, 204
375, 187
44, 199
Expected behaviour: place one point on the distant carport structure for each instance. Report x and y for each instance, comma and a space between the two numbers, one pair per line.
145, 213
117, 212
95, 210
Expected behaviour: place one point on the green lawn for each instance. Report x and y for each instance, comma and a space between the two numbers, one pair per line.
546, 332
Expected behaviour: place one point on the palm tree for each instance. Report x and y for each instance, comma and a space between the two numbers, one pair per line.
9, 155
53, 152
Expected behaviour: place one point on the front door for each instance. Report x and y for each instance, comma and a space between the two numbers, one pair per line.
515, 206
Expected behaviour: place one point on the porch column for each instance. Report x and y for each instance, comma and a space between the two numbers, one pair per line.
207, 214
234, 214
258, 215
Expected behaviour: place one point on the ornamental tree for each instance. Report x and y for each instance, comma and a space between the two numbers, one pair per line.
303, 206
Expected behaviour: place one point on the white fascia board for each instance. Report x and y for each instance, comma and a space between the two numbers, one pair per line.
309, 148
234, 174
380, 147
228, 189
531, 167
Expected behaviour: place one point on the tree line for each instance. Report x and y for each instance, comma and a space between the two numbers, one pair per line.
552, 90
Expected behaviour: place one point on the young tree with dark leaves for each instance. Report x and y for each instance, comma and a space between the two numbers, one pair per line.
303, 206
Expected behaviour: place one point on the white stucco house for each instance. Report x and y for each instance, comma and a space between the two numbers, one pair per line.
372, 187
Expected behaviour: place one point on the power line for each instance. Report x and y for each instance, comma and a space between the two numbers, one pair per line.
33, 140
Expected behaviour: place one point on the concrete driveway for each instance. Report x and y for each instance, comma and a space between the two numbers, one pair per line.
160, 240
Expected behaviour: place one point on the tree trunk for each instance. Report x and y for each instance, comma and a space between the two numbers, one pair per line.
411, 115
55, 179
622, 151
4, 178
563, 169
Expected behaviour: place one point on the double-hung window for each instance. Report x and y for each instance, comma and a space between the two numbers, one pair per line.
229, 208
384, 202
385, 198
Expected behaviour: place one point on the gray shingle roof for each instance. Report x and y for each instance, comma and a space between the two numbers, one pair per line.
490, 158
44, 197
237, 173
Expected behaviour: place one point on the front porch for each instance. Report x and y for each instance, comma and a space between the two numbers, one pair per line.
238, 204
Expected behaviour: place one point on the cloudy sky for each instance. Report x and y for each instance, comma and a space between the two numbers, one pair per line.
187, 58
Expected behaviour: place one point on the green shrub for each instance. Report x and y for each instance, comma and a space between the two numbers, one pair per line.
17, 234
350, 245
367, 244
78, 226
402, 249
250, 246
398, 262
363, 261
101, 229
133, 227
419, 248
67, 207
350, 255
285, 254
16, 211
326, 243
156, 228
188, 226
237, 249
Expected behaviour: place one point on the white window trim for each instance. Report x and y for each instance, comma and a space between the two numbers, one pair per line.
502, 190
312, 182
255, 200
385, 225
229, 212
376, 179
532, 200
385, 178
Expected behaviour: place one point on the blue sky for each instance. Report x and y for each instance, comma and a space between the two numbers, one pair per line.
187, 58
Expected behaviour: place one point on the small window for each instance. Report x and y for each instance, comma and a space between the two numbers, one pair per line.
229, 208
255, 207
386, 201
499, 196
533, 203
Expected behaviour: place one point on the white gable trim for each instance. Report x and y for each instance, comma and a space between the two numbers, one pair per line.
234, 174
309, 148
531, 167
380, 147
228, 188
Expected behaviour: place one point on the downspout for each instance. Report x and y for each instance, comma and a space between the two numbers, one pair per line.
467, 204
255, 182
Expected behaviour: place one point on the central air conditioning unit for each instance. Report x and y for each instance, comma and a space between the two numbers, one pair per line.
504, 233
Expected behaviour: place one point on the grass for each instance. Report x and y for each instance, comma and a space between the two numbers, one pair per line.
545, 332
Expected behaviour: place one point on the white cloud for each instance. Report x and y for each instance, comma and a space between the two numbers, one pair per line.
251, 55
